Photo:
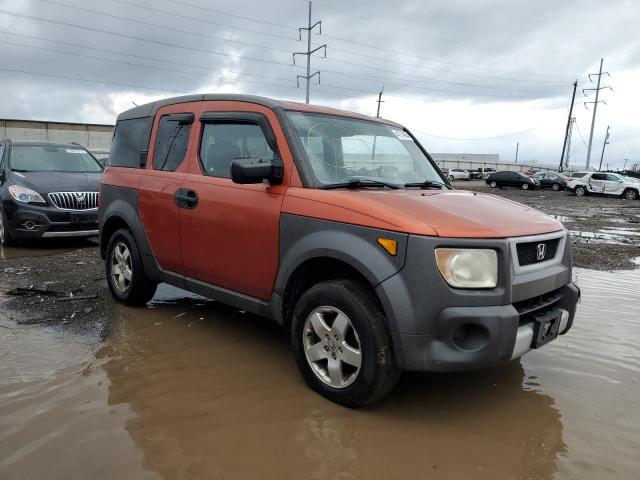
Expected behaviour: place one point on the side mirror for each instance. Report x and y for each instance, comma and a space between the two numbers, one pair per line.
256, 170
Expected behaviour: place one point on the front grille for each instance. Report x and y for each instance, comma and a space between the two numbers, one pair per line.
74, 200
539, 303
529, 253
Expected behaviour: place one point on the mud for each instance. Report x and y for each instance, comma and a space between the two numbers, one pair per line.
188, 388
605, 231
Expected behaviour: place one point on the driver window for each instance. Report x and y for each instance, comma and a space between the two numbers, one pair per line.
613, 178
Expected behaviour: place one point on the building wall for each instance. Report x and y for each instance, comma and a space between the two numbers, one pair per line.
95, 138
485, 160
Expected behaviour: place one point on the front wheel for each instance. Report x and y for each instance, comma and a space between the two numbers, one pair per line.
525, 186
126, 277
630, 194
341, 344
6, 236
555, 187
493, 184
581, 191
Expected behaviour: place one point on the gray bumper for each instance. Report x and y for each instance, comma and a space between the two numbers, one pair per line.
437, 328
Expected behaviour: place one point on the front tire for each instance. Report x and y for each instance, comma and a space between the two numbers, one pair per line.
630, 194
6, 235
341, 345
581, 191
525, 186
126, 277
555, 187
493, 184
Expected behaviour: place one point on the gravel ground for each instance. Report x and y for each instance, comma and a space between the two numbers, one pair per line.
605, 236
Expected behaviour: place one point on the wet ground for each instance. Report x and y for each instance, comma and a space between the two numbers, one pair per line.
605, 230
188, 388
192, 389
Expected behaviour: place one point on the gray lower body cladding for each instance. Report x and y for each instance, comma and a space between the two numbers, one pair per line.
440, 328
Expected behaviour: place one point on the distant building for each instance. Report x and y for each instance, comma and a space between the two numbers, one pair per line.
94, 137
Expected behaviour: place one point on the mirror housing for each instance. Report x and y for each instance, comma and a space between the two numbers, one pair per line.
256, 170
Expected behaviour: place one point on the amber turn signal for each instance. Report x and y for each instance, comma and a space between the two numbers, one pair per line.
391, 246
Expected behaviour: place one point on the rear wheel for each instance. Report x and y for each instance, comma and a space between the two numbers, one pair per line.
630, 194
525, 186
581, 191
126, 277
493, 184
341, 344
555, 187
6, 236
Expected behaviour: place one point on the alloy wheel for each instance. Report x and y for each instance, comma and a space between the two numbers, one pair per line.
580, 191
555, 187
332, 347
493, 184
525, 186
121, 268
630, 195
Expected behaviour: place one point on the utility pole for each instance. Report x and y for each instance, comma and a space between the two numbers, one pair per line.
604, 144
569, 138
566, 133
517, 148
595, 105
624, 168
309, 28
380, 101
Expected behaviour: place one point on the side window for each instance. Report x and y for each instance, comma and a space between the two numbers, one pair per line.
129, 139
613, 178
223, 142
598, 176
171, 141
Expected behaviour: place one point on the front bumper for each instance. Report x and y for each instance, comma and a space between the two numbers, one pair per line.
34, 221
437, 328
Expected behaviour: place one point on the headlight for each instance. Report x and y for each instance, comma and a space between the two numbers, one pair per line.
26, 195
468, 267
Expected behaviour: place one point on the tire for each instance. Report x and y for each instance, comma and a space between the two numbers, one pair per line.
364, 339
555, 187
451, 178
6, 236
525, 186
580, 191
493, 184
630, 194
126, 277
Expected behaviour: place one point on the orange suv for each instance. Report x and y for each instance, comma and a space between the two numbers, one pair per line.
338, 226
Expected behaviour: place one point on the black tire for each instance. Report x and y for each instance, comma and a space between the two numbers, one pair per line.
140, 288
493, 184
378, 373
6, 235
525, 186
630, 194
555, 187
580, 191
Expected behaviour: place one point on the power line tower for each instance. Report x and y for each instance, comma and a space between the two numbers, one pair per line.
309, 28
595, 104
379, 102
566, 133
604, 144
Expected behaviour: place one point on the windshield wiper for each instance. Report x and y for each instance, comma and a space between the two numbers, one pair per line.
359, 183
428, 184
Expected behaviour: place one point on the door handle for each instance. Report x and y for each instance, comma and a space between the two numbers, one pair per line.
186, 198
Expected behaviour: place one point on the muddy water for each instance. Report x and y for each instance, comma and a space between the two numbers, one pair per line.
191, 389
44, 248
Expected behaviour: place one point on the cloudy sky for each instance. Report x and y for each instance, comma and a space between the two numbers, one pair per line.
465, 75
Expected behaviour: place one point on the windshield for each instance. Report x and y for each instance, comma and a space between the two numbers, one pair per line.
51, 158
342, 149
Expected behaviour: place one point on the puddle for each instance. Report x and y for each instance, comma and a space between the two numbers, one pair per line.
193, 389
45, 247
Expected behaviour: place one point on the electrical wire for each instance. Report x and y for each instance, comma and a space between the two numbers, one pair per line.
478, 139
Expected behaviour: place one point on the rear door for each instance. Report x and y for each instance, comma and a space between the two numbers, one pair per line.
165, 171
230, 239
613, 185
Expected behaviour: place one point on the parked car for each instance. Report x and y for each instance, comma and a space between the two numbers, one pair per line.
511, 179
480, 173
601, 183
458, 174
530, 172
552, 180
47, 190
373, 270
445, 172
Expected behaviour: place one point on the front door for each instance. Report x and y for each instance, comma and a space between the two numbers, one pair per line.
597, 182
613, 185
231, 238
166, 168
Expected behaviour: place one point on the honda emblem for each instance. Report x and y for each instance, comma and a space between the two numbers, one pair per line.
541, 250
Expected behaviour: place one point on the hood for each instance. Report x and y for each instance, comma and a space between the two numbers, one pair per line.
47, 182
451, 213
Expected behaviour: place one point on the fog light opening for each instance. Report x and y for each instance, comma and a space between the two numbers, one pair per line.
470, 337
29, 225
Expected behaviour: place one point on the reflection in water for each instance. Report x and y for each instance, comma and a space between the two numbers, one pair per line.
217, 393
45, 247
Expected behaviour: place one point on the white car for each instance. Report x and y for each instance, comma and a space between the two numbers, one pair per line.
601, 183
458, 174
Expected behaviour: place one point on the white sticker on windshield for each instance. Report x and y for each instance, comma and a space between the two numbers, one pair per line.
74, 150
402, 135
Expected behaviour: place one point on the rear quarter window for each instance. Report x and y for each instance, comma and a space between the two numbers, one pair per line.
129, 139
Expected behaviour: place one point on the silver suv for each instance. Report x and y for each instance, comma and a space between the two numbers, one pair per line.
583, 183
